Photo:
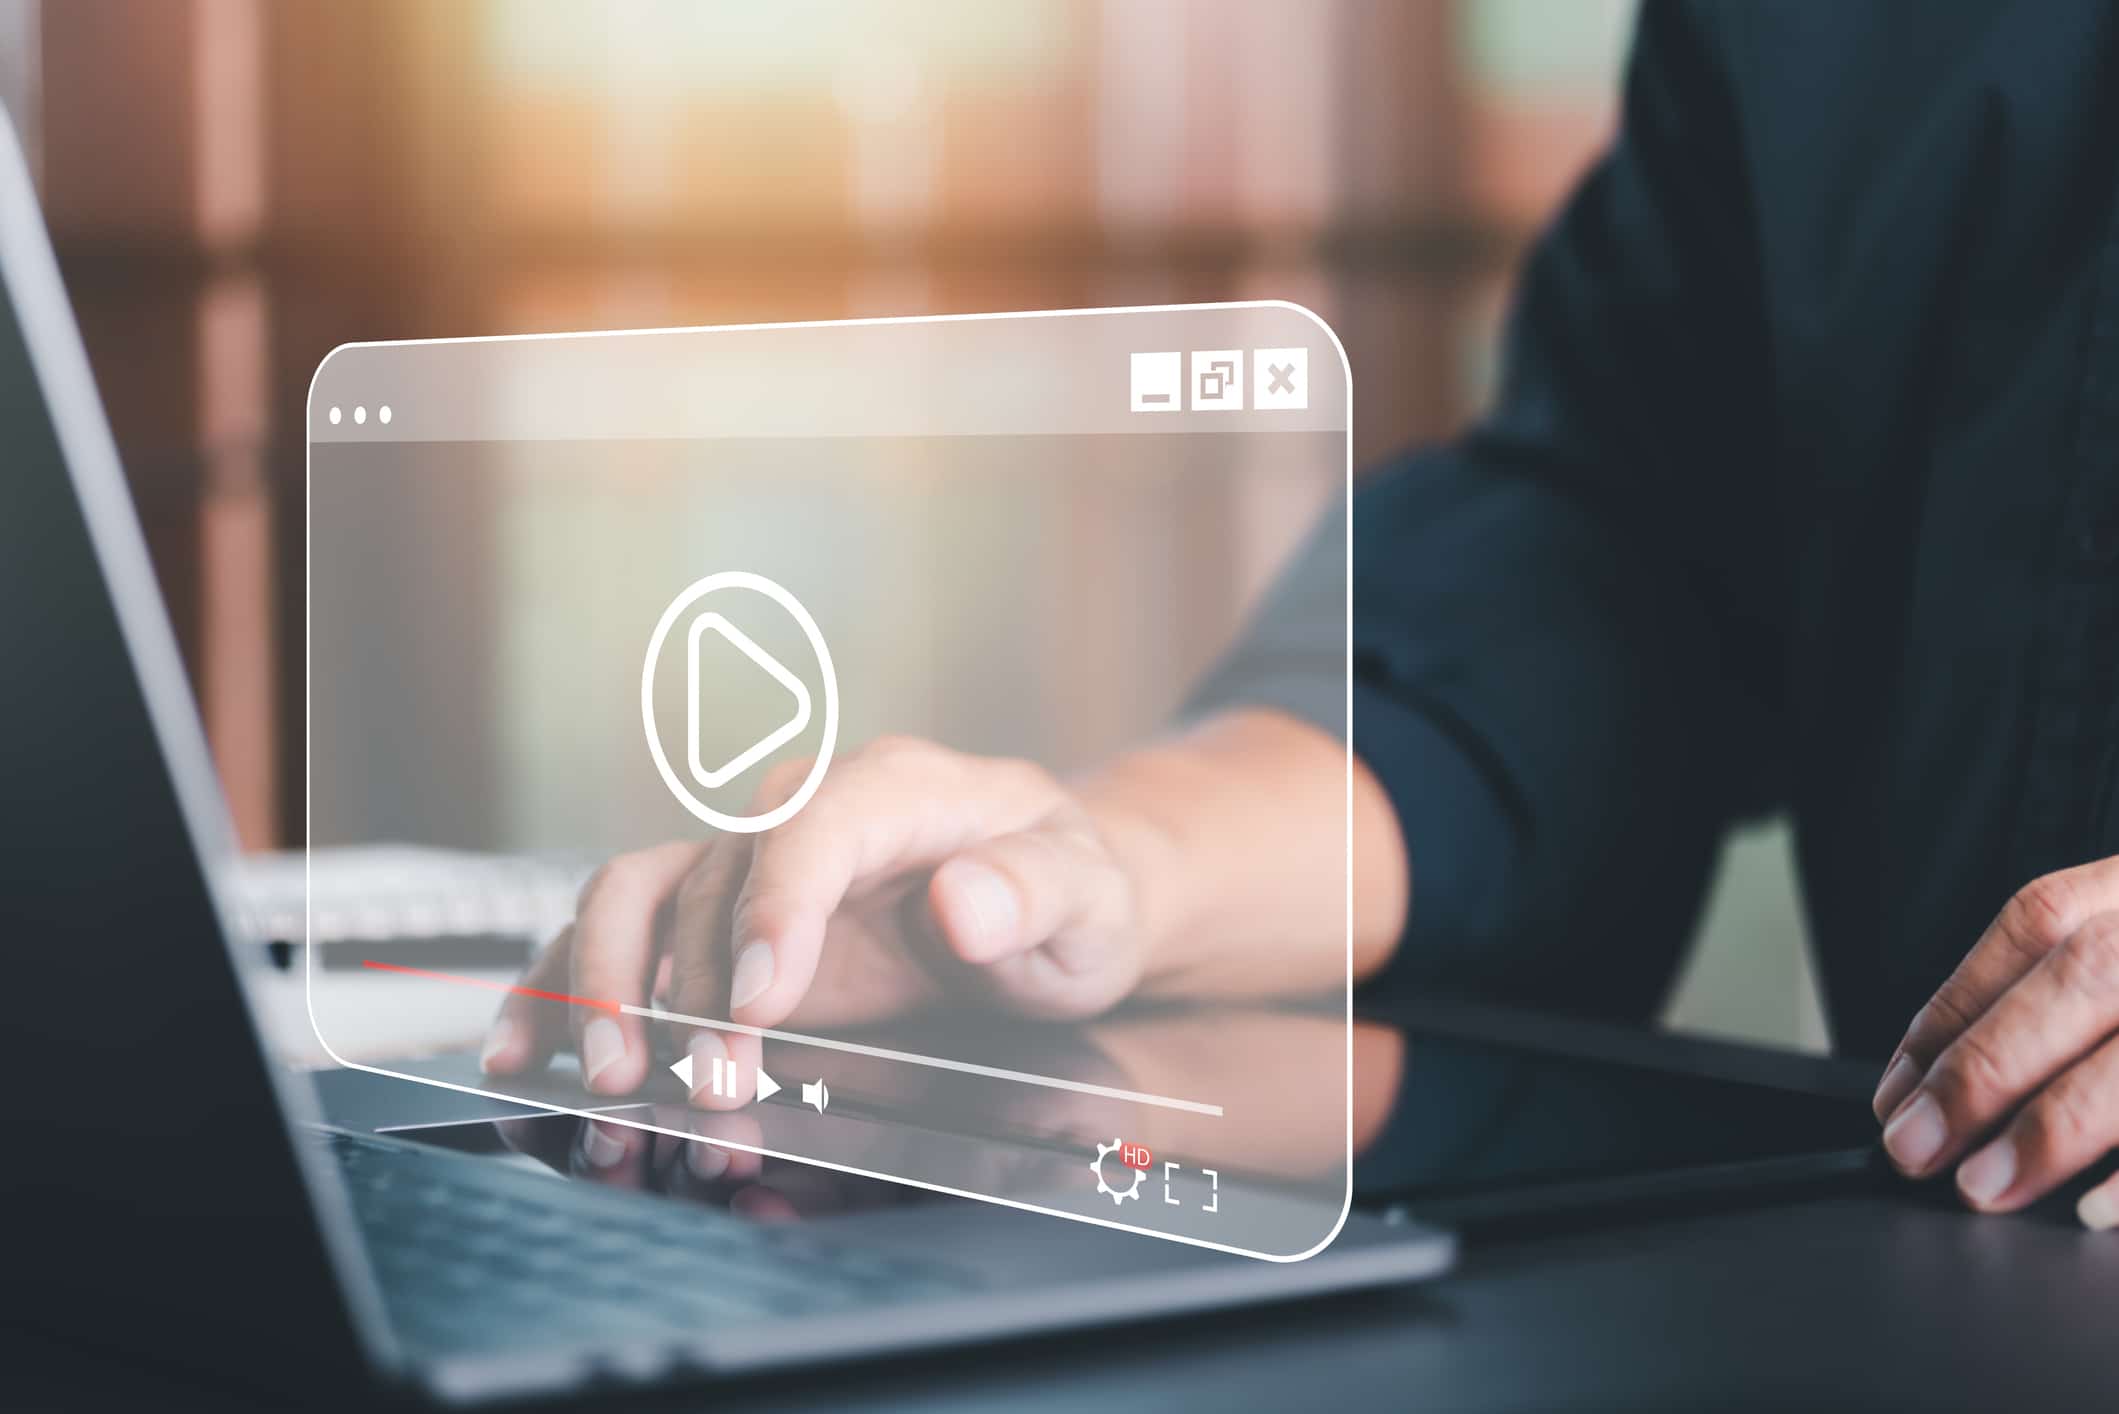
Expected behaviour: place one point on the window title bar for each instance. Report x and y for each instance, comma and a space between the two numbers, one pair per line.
1254, 367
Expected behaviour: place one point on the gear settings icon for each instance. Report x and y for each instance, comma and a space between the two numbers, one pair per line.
1096, 1166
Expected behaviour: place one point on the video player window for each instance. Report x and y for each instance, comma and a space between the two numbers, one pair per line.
737, 663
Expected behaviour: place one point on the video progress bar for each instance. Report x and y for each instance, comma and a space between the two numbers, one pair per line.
991, 1072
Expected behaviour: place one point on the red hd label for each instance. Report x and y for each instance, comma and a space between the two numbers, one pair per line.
1135, 1156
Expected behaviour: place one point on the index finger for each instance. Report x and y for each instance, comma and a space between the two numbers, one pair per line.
2053, 1017
896, 806
2037, 918
614, 959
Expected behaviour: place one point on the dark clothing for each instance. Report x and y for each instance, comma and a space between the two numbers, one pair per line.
1801, 493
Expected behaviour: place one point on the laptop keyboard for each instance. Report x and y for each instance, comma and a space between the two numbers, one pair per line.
473, 1256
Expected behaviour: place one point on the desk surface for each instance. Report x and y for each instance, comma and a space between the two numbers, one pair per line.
1881, 1301
1886, 1299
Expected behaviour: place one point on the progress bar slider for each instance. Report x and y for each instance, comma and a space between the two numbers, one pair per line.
993, 1072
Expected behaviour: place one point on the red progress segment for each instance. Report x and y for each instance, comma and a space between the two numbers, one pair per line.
520, 991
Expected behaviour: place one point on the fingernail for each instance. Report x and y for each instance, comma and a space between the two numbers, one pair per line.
706, 1049
1917, 1135
754, 973
708, 1161
498, 1039
2098, 1210
602, 1046
601, 1149
1987, 1174
1898, 1082
991, 901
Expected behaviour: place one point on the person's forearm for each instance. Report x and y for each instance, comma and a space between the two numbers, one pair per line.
1235, 837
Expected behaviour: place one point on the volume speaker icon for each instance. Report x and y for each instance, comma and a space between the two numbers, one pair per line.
721, 1079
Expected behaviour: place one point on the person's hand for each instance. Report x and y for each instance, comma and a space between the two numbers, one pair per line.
915, 873
2011, 1071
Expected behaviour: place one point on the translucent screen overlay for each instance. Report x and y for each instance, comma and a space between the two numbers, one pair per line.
843, 597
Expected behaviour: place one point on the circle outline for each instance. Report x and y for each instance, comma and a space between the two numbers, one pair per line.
757, 584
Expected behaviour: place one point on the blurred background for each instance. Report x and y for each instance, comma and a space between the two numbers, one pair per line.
236, 186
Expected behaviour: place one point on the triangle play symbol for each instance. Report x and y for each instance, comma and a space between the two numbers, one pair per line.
787, 731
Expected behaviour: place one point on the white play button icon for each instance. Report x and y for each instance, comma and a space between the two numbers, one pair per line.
791, 724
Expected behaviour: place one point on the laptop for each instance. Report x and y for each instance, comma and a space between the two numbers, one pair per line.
175, 1191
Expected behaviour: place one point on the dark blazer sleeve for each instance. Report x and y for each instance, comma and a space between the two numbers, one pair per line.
1565, 664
